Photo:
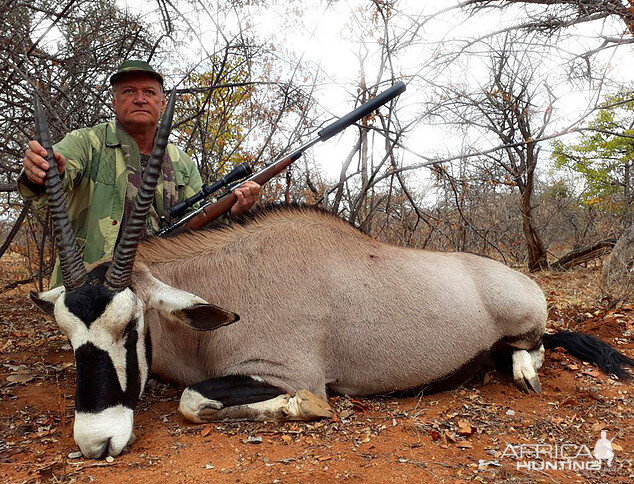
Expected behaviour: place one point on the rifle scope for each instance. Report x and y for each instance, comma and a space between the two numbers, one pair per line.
239, 172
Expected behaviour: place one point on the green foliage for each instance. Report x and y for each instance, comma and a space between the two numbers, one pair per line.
213, 120
557, 190
603, 153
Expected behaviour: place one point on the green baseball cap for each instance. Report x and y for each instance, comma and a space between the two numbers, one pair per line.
134, 67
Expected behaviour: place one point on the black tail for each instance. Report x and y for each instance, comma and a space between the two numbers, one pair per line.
591, 349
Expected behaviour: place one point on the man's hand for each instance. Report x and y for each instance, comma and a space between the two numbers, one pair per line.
35, 164
247, 194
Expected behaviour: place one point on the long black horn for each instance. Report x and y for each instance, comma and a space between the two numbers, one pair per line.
72, 265
118, 275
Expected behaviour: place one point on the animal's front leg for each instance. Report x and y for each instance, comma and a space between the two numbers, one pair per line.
240, 397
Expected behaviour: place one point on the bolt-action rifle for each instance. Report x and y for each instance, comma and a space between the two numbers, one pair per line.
242, 173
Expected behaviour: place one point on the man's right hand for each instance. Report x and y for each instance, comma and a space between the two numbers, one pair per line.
35, 165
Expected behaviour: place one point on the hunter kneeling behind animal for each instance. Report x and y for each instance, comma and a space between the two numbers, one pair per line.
101, 167
317, 306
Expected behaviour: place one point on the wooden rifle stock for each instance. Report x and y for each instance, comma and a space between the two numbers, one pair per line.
212, 211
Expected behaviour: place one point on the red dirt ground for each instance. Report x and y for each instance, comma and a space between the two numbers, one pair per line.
454, 436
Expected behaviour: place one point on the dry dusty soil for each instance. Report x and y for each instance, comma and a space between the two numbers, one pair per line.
456, 436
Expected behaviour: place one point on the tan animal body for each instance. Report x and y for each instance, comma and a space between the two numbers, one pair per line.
325, 307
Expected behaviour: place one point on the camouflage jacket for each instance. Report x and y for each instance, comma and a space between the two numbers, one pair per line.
102, 166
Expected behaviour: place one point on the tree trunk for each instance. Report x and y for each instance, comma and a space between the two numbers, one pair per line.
581, 255
359, 212
618, 271
627, 195
342, 177
537, 255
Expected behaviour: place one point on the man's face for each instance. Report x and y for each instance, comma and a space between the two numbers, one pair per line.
138, 101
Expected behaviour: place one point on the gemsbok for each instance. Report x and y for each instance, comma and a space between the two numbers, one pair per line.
322, 308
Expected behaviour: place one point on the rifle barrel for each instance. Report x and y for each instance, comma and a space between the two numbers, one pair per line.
212, 211
362, 111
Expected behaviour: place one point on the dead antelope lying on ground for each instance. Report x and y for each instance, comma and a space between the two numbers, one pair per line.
322, 307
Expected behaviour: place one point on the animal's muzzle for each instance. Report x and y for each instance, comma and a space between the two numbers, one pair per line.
105, 433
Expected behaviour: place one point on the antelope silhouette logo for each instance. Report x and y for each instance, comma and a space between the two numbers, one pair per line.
603, 449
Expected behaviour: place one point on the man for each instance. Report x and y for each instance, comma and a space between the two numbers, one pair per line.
101, 166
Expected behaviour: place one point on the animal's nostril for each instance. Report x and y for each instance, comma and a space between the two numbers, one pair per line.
106, 449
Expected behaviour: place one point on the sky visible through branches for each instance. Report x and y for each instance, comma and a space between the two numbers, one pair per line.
435, 49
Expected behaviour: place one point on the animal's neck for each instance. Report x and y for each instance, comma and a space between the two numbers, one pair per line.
166, 345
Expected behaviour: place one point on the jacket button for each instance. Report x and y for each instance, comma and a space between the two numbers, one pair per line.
114, 222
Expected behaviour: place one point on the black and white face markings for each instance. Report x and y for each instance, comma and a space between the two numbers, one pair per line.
113, 348
106, 331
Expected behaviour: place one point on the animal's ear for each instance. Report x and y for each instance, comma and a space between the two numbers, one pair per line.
46, 300
205, 317
179, 305
184, 306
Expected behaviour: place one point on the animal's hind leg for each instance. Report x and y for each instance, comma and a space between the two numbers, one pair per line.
527, 356
240, 397
524, 371
538, 357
